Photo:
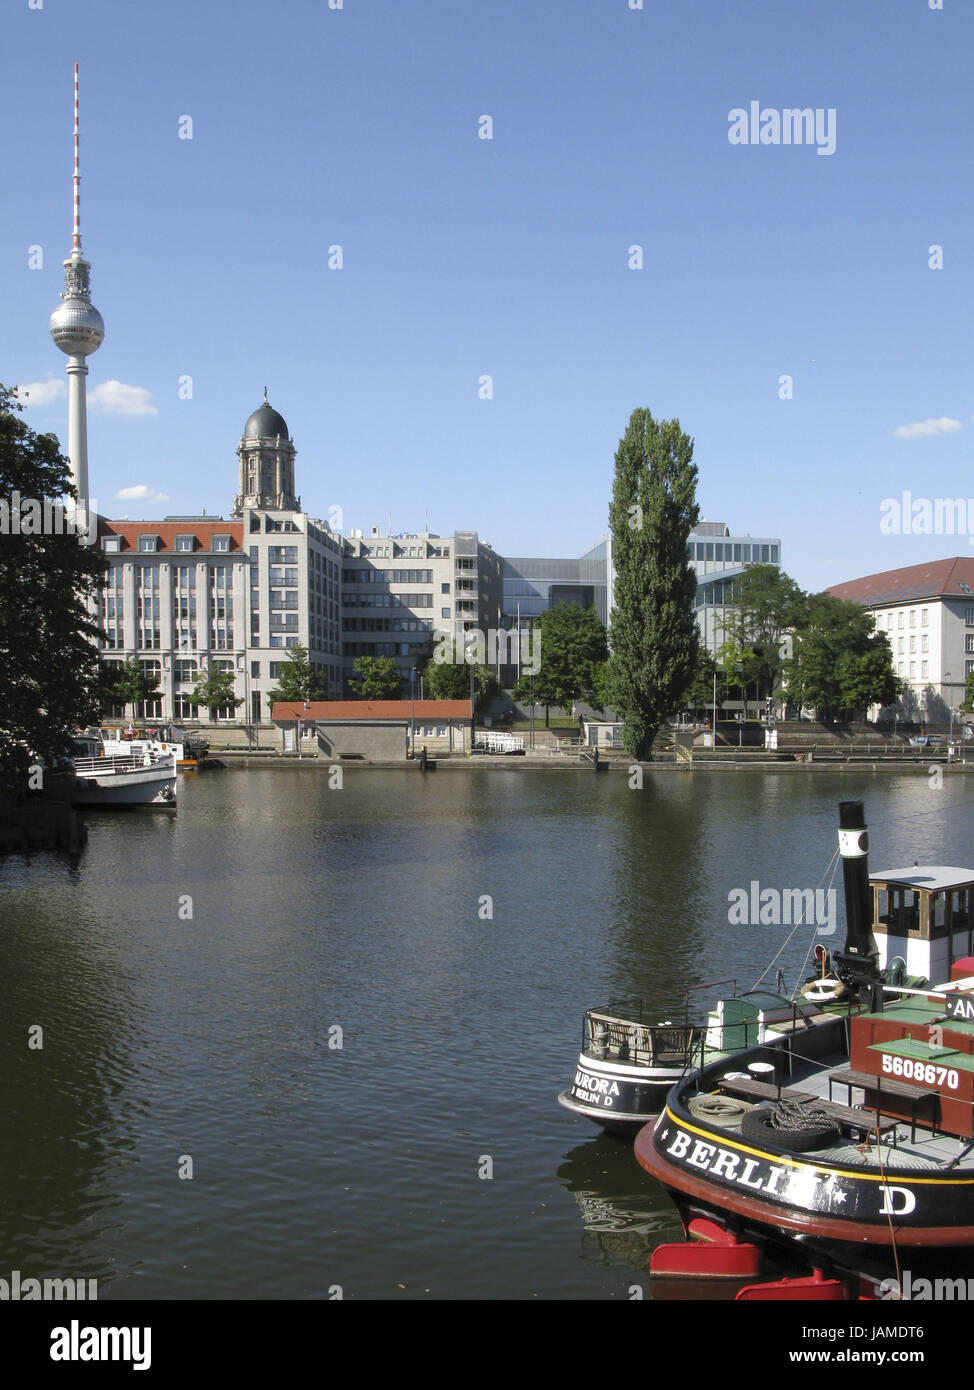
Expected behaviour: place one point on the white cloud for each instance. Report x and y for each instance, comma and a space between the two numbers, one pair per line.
115, 398
40, 392
140, 493
921, 427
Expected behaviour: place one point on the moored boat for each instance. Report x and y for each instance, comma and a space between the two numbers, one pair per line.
628, 1064
189, 749
135, 780
851, 1133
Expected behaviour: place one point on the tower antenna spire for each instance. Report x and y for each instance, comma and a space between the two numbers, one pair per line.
78, 329
76, 242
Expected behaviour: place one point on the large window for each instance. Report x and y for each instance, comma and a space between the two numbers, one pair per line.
151, 708
113, 709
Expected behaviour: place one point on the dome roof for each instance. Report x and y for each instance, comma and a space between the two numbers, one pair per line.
266, 423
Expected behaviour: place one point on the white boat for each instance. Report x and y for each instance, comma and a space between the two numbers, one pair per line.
190, 750
143, 779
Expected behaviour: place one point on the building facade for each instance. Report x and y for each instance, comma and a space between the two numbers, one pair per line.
927, 613
189, 593
717, 558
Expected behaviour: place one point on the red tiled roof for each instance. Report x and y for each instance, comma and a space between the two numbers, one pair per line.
935, 579
349, 710
167, 531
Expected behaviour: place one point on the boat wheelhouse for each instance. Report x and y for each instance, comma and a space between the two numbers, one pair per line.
851, 1133
922, 919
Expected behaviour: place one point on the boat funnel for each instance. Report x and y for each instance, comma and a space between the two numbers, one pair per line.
857, 963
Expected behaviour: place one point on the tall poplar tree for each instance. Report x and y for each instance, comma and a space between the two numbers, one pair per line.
653, 632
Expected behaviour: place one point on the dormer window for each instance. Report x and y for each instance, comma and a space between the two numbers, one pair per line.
184, 542
112, 544
148, 544
220, 543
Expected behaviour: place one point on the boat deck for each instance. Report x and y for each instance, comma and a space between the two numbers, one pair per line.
901, 1138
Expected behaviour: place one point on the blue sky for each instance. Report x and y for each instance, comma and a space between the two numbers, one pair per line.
508, 257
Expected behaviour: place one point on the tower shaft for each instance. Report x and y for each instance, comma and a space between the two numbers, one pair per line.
78, 330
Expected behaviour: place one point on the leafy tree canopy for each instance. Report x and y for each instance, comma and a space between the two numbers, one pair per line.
450, 680
376, 678
767, 604
49, 682
839, 662
654, 632
214, 689
125, 683
572, 645
298, 679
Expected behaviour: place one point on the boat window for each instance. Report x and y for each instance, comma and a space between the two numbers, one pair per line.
960, 908
938, 913
904, 913
882, 906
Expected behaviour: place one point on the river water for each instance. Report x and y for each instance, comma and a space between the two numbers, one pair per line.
300, 1039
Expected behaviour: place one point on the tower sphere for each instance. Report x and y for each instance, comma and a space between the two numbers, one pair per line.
77, 327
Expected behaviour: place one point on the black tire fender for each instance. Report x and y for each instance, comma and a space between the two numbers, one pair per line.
756, 1124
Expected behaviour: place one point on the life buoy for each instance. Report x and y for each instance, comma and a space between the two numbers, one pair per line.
823, 991
719, 1110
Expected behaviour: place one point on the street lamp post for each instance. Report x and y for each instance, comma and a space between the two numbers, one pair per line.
412, 713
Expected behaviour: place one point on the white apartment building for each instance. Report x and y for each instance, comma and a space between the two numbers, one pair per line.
927, 613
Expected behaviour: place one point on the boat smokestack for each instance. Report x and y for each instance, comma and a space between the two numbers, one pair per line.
858, 962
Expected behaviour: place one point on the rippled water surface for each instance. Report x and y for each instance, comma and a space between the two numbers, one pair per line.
190, 975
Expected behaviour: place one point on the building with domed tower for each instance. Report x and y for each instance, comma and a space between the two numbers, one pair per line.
191, 592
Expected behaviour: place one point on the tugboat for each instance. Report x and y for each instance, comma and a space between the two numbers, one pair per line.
757, 1141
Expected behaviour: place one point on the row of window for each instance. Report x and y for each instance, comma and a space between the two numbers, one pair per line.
901, 615
373, 576
733, 552
387, 624
385, 648
968, 668
388, 600
149, 544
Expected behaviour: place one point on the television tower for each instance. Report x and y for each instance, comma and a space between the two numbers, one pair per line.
78, 329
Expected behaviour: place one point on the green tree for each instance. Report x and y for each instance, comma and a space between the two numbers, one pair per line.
125, 683
700, 693
450, 680
214, 690
572, 648
654, 633
49, 582
840, 663
767, 604
298, 679
968, 706
376, 678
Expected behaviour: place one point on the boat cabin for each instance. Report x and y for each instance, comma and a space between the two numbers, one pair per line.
923, 916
